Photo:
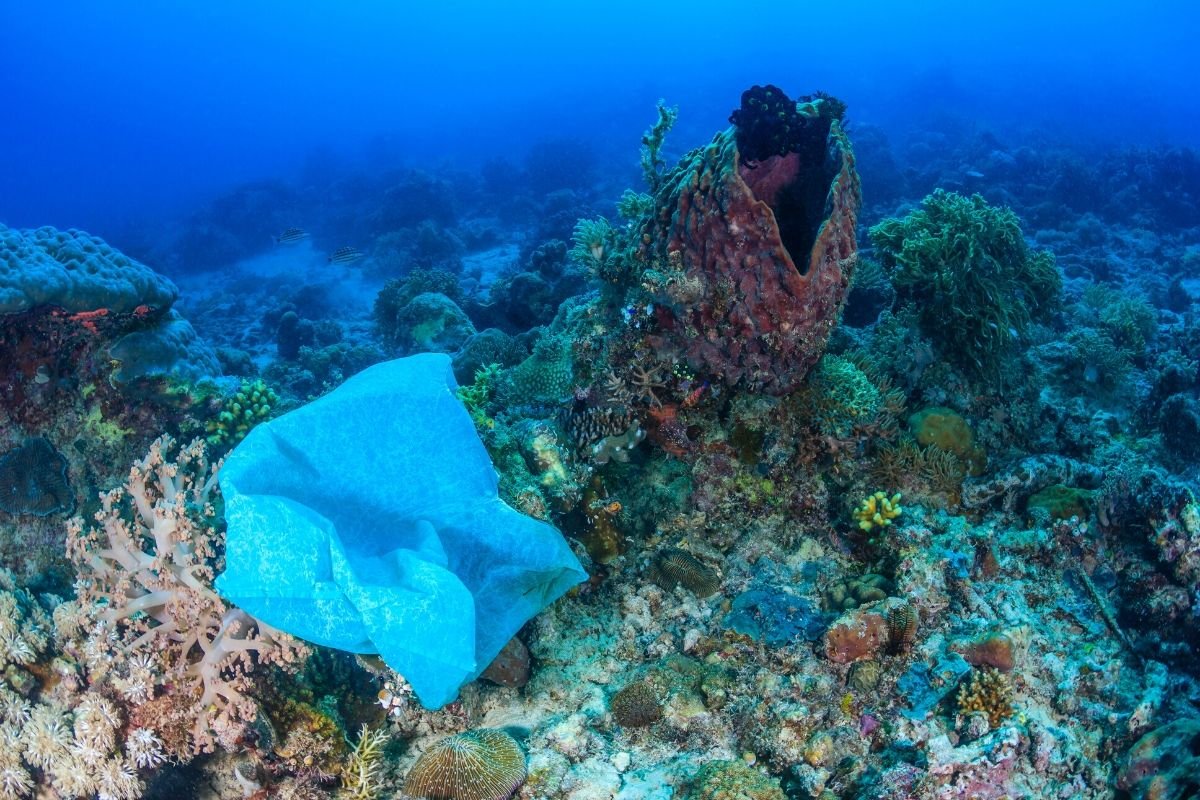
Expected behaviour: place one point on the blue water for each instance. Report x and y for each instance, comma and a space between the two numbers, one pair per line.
121, 115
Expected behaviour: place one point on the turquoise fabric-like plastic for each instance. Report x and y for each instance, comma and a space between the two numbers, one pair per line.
369, 520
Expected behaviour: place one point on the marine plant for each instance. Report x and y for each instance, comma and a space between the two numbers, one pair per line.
652, 142
482, 764
965, 266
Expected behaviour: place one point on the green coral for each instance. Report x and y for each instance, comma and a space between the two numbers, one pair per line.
478, 394
592, 240
966, 267
547, 377
842, 396
105, 432
652, 142
1129, 320
633, 206
250, 405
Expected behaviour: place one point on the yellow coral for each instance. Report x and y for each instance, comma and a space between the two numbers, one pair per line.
878, 511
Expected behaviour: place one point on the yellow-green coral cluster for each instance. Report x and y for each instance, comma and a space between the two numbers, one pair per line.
878, 511
477, 395
250, 405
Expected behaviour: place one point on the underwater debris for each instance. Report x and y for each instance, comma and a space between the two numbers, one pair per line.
483, 764
33, 480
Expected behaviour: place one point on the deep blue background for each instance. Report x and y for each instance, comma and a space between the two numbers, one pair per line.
119, 113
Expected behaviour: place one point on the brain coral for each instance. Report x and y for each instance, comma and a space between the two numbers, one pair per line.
74, 271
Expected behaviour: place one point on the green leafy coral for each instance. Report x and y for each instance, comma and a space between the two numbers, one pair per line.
966, 267
249, 405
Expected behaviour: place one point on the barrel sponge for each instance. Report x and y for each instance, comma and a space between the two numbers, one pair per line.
169, 349
74, 271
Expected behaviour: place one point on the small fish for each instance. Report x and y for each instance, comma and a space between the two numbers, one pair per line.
291, 236
345, 255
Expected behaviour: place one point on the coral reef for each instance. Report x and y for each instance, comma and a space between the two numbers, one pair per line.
33, 480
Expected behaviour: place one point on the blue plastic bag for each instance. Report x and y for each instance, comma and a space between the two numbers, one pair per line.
369, 521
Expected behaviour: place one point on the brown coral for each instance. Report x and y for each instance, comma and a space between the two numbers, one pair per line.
674, 567
902, 628
988, 691
636, 705
145, 584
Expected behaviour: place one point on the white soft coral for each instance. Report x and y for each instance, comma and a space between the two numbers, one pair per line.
146, 571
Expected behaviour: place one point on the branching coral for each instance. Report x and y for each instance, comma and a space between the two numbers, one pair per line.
145, 590
878, 511
361, 777
988, 691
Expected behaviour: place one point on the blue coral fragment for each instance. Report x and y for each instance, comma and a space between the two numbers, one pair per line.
369, 521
